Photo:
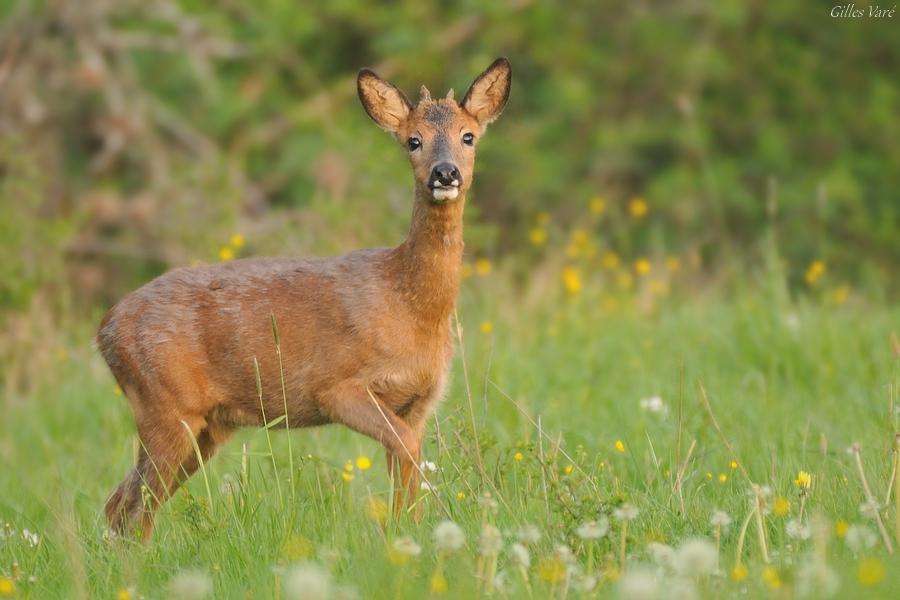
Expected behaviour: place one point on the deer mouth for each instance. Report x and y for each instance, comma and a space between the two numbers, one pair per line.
445, 192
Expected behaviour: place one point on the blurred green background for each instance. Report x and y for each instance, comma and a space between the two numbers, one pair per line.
685, 139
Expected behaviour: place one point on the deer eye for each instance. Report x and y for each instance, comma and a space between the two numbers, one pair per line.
413, 144
469, 139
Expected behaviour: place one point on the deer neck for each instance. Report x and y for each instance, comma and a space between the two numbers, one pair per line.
430, 258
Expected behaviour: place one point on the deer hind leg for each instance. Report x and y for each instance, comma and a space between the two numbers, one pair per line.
166, 449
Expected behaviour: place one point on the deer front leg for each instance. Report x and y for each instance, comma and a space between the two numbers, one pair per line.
365, 413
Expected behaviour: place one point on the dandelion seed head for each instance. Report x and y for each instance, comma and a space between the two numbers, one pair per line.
593, 530
407, 546
639, 583
448, 536
859, 537
529, 534
695, 557
720, 519
190, 584
521, 555
626, 512
797, 530
308, 581
491, 541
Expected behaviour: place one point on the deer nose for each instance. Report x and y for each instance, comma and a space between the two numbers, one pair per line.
445, 174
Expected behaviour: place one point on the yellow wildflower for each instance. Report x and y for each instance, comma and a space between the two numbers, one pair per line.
482, 267
460, 495
117, 391
542, 219
571, 279
598, 205
620, 446
346, 476
122, 594
839, 294
518, 456
226, 253
638, 208
733, 464
781, 506
7, 586
870, 571
348, 466
363, 462
739, 573
709, 475
642, 266
673, 264
466, 271
377, 509
624, 280
804, 480
486, 327
438, 584
814, 272
537, 236
552, 570
771, 577
237, 241
568, 469
610, 261
841, 527
579, 236
723, 477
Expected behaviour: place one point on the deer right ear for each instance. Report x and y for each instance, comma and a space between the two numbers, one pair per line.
387, 105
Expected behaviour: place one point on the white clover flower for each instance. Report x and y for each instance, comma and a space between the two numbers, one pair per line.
407, 546
654, 405
427, 487
32, 538
817, 580
695, 557
190, 585
448, 536
521, 555
491, 541
869, 509
797, 530
859, 537
662, 555
593, 530
529, 534
720, 519
427, 465
639, 583
308, 581
626, 512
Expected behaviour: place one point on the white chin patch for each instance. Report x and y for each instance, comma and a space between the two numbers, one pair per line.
445, 193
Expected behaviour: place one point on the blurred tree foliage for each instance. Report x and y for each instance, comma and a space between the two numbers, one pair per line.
140, 135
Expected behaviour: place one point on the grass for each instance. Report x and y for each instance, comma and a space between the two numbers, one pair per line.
791, 385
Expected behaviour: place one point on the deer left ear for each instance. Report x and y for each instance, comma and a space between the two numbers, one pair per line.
489, 92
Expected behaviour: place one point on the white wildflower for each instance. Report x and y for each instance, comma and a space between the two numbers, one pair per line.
586, 583
860, 537
695, 557
868, 509
529, 534
308, 581
720, 519
817, 580
797, 530
654, 405
190, 585
32, 538
407, 546
626, 512
593, 530
427, 487
427, 465
448, 536
639, 584
488, 503
662, 555
521, 555
491, 540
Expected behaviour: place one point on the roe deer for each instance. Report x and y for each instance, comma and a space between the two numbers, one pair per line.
365, 337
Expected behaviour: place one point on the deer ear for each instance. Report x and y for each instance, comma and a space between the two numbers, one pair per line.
387, 105
489, 92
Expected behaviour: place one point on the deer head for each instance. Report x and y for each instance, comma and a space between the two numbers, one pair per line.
439, 135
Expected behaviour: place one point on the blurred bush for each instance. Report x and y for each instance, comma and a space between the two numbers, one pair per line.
141, 135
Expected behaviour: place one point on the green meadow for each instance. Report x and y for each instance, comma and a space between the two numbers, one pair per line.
562, 410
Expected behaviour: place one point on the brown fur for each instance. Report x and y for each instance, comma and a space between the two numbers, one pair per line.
372, 321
